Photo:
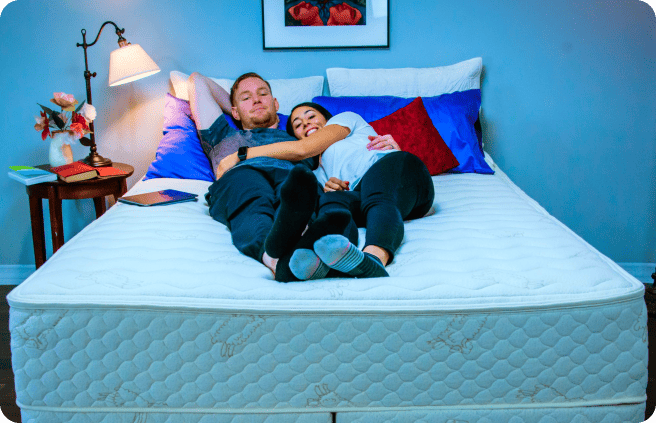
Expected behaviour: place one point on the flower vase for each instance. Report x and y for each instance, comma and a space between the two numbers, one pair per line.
60, 148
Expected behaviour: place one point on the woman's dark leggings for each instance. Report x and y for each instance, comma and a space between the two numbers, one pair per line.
396, 188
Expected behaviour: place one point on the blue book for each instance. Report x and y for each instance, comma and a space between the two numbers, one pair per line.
31, 175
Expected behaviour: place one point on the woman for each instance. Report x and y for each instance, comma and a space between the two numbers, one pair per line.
378, 184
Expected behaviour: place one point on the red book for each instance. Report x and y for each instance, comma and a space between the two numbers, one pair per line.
76, 171
109, 171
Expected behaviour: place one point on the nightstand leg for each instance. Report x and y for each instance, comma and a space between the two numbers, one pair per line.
101, 206
38, 233
56, 221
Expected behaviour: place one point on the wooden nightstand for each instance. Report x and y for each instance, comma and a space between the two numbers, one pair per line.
56, 191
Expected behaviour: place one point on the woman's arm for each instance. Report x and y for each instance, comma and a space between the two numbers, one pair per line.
293, 151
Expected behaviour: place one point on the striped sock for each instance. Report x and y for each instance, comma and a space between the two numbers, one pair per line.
306, 265
338, 253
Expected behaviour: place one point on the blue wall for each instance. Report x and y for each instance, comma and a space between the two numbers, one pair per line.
568, 94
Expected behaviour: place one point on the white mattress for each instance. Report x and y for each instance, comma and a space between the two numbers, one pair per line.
491, 304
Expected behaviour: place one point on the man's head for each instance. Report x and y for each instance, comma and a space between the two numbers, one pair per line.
253, 104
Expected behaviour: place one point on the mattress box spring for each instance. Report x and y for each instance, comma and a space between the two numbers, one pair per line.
150, 361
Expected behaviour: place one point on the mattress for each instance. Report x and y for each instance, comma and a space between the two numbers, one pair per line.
493, 311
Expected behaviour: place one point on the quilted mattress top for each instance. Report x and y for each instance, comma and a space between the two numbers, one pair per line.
487, 246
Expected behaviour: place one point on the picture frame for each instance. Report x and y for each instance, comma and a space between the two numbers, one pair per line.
334, 24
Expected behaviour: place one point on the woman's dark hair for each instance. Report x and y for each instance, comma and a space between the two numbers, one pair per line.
319, 108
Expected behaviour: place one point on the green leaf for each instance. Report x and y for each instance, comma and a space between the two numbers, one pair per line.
80, 106
58, 121
45, 109
85, 141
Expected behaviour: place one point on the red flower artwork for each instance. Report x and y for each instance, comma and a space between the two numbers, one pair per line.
343, 14
306, 13
325, 12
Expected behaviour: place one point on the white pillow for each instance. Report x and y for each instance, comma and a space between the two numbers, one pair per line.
289, 92
406, 82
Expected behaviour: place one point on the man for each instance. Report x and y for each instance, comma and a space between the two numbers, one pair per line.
247, 197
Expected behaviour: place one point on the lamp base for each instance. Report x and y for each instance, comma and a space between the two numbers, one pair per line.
96, 160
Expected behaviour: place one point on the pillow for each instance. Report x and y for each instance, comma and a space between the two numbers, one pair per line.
179, 154
369, 108
412, 129
453, 115
406, 82
289, 92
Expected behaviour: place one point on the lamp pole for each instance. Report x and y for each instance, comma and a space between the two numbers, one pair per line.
94, 159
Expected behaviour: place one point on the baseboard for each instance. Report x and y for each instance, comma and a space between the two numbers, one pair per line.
640, 271
14, 274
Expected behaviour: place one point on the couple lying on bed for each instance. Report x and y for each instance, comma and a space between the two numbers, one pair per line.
299, 225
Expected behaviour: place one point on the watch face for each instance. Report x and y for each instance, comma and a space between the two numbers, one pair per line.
242, 152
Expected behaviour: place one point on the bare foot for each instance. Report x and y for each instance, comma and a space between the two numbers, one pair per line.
270, 262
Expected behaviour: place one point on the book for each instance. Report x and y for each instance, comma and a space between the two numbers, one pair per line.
31, 175
76, 171
110, 171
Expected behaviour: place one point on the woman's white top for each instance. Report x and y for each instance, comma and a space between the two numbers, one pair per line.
349, 159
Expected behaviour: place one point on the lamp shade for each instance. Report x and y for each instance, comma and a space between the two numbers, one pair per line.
129, 63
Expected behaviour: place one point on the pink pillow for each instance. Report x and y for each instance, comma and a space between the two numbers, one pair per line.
413, 130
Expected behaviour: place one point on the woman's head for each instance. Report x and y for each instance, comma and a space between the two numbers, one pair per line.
306, 118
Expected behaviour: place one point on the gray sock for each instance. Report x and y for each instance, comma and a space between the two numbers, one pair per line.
306, 265
338, 253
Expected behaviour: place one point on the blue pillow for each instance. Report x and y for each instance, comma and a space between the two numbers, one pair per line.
179, 154
453, 115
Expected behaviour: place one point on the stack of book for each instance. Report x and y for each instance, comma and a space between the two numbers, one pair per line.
72, 172
31, 175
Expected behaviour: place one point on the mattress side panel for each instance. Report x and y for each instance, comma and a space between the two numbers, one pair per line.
631, 413
145, 417
87, 359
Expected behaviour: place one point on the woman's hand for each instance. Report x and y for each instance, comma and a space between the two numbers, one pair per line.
226, 163
382, 142
335, 184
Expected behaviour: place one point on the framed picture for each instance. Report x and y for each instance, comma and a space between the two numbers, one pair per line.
315, 24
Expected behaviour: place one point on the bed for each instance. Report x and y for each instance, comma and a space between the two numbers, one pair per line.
494, 311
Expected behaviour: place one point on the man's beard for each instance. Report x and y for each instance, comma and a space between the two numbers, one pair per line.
265, 121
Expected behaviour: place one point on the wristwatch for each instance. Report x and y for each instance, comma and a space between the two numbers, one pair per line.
242, 152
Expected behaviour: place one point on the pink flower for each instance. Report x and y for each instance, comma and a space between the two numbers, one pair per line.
64, 118
65, 101
43, 124
306, 13
343, 14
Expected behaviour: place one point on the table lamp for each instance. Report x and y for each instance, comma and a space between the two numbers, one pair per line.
127, 63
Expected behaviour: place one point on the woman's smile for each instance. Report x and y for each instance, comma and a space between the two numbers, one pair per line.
311, 130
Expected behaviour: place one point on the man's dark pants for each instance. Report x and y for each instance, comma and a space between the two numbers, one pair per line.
245, 199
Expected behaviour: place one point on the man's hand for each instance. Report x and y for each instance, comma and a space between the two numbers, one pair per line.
227, 163
335, 184
382, 142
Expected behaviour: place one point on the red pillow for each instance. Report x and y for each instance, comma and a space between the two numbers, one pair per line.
413, 130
